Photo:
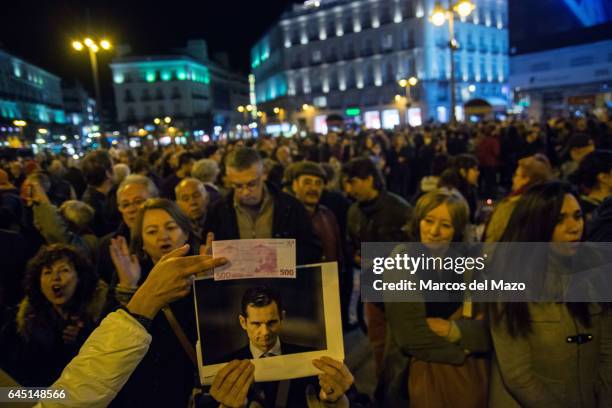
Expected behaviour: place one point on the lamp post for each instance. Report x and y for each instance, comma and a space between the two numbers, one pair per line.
438, 17
407, 84
93, 48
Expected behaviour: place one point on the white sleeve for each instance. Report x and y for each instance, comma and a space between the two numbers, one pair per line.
104, 363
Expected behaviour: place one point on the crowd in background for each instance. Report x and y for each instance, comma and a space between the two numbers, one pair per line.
79, 236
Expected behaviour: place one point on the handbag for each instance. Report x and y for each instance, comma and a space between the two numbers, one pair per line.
439, 385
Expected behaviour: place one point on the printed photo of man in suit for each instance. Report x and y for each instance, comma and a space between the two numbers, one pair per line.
261, 317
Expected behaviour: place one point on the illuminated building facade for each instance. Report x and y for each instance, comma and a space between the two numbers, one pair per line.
188, 87
346, 57
28, 93
565, 65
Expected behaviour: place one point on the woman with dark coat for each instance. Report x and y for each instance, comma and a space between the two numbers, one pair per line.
64, 302
165, 377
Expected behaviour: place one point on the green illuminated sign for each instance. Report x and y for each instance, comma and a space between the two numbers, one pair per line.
353, 112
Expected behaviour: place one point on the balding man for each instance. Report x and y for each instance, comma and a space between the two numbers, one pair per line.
133, 191
192, 199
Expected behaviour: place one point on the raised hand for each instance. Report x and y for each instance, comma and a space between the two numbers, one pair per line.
170, 279
126, 264
334, 380
232, 383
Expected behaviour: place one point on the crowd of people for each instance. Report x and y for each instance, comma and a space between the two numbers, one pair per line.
82, 239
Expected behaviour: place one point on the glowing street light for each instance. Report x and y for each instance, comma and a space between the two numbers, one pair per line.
249, 108
93, 48
407, 84
20, 123
277, 110
305, 106
241, 109
464, 8
438, 17
105, 44
157, 121
167, 119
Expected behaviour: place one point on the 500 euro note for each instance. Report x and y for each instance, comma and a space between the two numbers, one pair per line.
255, 258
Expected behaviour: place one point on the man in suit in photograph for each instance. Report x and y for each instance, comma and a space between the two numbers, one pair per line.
261, 317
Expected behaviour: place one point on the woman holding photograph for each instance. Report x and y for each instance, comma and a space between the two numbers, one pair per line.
550, 354
434, 355
165, 377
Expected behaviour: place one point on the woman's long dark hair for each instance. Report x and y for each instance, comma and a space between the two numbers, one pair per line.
534, 220
47, 256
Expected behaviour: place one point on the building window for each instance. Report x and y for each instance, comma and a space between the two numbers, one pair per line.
128, 97
316, 56
367, 48
176, 93
387, 42
159, 94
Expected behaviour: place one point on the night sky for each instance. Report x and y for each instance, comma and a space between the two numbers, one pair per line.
41, 31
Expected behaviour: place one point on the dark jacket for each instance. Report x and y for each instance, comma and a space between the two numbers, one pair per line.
106, 269
599, 229
165, 376
379, 220
38, 354
104, 218
289, 220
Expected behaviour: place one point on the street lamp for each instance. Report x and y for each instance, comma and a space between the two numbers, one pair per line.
438, 17
407, 84
20, 124
93, 49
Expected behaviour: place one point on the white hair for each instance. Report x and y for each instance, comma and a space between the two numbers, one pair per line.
205, 170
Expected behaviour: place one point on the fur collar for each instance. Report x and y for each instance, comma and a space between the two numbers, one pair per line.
93, 311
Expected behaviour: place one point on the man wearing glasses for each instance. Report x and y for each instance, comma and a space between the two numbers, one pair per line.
256, 209
133, 191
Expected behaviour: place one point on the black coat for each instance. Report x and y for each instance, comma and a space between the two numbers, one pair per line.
106, 269
105, 220
165, 376
289, 220
599, 229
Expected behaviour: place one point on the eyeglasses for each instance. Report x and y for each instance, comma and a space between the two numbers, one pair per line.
251, 185
124, 205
